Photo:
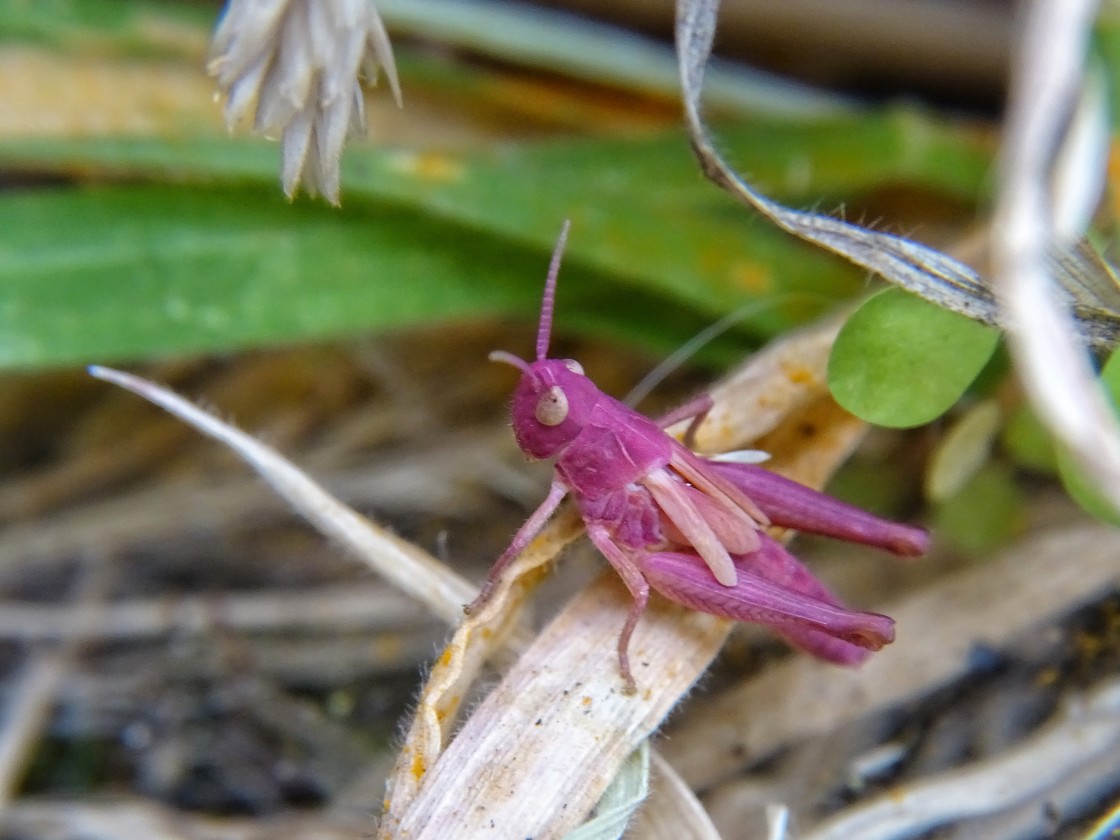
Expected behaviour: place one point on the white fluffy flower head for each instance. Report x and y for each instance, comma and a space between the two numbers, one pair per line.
293, 67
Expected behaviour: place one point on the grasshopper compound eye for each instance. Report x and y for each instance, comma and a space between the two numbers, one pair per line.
552, 407
574, 366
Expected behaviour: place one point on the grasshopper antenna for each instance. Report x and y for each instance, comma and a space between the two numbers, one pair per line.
544, 331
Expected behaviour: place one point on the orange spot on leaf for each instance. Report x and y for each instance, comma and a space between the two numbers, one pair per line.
751, 277
433, 167
417, 767
799, 374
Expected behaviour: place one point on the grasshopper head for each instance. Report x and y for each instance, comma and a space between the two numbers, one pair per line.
554, 399
551, 404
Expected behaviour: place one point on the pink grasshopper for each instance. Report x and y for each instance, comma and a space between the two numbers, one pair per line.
687, 526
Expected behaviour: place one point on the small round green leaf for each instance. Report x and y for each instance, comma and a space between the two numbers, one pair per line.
962, 451
900, 361
1028, 442
1083, 491
1079, 485
988, 512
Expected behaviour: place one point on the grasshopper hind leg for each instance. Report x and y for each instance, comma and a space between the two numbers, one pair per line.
635, 582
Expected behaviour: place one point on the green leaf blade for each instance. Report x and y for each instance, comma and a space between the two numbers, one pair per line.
119, 273
1079, 485
901, 362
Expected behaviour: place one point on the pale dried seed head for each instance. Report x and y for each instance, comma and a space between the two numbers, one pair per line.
291, 67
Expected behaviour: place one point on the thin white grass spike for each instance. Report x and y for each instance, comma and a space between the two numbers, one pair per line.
1054, 367
405, 566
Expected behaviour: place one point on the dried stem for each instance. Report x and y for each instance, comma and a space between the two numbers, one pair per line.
1042, 333
1088, 729
406, 566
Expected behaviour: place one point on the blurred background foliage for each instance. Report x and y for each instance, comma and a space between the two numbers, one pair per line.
136, 230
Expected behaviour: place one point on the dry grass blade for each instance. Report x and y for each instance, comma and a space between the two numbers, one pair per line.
474, 642
26, 715
1054, 367
135, 819
367, 607
28, 709
924, 271
917, 268
538, 753
404, 565
425, 482
1088, 729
